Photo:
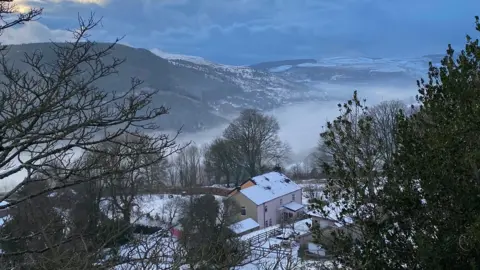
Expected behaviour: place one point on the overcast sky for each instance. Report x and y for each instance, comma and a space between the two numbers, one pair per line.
250, 31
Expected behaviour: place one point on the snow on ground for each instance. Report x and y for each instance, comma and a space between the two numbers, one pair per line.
255, 233
157, 209
284, 261
148, 252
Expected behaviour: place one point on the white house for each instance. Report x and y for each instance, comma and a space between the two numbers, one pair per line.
268, 198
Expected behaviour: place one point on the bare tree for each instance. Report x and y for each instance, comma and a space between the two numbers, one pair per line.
172, 173
53, 116
384, 122
50, 115
189, 166
220, 162
255, 141
125, 152
10, 16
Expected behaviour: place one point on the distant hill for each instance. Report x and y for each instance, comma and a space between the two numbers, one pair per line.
273, 64
353, 70
199, 93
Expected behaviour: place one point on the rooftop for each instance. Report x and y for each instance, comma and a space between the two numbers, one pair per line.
269, 186
294, 206
244, 225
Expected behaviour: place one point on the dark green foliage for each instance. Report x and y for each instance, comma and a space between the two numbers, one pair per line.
206, 238
439, 146
419, 209
33, 228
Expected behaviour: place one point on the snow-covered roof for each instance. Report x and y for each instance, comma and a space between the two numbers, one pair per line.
269, 186
244, 225
294, 206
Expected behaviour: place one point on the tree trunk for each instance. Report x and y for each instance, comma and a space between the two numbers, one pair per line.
228, 180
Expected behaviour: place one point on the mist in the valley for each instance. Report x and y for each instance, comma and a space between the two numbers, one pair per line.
301, 123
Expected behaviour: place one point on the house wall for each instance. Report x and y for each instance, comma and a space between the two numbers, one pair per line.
322, 222
273, 206
250, 207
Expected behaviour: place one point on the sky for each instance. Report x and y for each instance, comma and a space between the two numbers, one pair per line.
245, 32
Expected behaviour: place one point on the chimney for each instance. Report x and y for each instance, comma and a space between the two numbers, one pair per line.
277, 168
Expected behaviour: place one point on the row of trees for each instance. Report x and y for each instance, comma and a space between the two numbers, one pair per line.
409, 179
249, 146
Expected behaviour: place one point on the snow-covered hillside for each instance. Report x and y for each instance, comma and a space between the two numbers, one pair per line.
259, 88
173, 56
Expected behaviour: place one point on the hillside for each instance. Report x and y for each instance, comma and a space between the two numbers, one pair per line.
199, 93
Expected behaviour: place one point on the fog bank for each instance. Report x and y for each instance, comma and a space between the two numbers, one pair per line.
301, 123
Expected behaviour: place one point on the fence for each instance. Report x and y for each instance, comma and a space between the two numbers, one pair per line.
262, 252
261, 237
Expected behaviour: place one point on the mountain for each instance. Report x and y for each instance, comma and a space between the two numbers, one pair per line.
201, 94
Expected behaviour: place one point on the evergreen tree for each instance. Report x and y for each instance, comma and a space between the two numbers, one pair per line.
420, 209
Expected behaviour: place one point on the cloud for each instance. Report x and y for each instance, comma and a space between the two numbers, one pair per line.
32, 32
249, 31
46, 2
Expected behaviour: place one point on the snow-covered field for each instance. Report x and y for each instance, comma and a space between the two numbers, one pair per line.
155, 210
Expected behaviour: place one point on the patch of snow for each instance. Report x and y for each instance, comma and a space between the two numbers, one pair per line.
172, 56
3, 218
244, 225
315, 249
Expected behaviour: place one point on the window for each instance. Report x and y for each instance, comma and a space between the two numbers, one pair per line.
266, 209
293, 197
281, 201
270, 222
243, 211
